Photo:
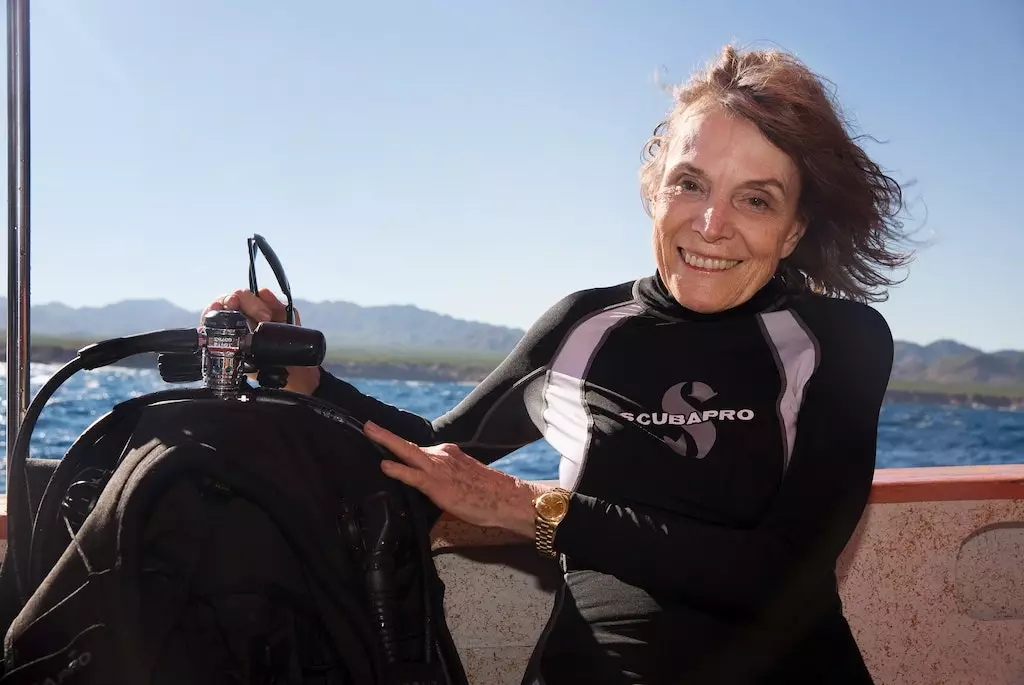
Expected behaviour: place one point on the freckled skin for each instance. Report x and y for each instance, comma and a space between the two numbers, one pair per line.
711, 208
459, 484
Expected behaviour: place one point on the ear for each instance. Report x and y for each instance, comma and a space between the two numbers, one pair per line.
792, 239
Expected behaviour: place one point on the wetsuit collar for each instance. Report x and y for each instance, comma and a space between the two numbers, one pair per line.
653, 295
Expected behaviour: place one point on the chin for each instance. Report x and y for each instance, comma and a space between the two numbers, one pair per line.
702, 305
708, 292
698, 296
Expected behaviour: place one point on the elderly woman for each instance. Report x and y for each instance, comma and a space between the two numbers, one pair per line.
716, 420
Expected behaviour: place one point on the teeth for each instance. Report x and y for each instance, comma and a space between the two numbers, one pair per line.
705, 263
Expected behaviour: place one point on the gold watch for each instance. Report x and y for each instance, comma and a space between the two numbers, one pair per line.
550, 508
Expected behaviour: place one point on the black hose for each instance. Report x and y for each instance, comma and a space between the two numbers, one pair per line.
421, 532
380, 539
176, 340
19, 526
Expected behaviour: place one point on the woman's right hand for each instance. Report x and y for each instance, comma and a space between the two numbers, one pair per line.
266, 307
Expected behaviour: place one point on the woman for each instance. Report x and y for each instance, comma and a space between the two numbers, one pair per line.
716, 420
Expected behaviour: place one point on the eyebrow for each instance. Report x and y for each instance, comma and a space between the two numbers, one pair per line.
686, 167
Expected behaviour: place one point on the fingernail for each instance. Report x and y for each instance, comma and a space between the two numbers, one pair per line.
370, 427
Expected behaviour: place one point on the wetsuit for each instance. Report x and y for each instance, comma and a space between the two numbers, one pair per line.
719, 464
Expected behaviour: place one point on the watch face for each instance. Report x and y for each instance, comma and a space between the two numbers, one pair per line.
551, 506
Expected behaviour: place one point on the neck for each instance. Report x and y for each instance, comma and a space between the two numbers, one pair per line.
653, 294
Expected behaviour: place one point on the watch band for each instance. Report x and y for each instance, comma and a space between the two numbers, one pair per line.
545, 538
550, 508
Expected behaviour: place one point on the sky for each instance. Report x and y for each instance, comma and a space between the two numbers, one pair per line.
480, 159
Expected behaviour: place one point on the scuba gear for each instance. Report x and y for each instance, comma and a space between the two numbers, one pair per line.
223, 533
183, 368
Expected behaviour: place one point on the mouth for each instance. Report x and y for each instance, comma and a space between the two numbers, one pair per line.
706, 264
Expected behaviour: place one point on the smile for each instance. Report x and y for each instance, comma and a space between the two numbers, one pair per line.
706, 263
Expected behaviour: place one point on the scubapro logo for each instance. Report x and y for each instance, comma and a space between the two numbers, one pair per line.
698, 425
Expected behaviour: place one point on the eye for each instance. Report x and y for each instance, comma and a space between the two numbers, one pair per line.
678, 187
759, 204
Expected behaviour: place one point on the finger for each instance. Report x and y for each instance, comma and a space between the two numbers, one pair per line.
403, 449
406, 474
230, 301
277, 308
216, 305
212, 307
250, 305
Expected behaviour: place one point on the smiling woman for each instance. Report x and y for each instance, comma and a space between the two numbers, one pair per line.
716, 420
725, 213
755, 154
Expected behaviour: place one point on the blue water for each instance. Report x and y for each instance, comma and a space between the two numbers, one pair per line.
909, 434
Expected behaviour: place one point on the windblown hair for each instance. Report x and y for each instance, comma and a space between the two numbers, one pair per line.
849, 205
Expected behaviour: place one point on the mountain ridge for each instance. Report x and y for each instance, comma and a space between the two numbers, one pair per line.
406, 327
346, 324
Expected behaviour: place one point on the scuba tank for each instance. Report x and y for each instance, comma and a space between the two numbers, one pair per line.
221, 533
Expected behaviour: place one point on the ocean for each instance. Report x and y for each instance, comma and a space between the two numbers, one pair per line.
909, 434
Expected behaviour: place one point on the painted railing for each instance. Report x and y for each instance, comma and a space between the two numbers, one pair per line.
932, 582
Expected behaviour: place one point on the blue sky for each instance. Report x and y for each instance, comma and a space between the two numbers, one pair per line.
480, 158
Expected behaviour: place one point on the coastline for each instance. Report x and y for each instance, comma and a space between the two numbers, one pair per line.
425, 369
954, 399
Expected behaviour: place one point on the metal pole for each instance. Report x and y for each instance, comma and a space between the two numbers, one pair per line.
17, 219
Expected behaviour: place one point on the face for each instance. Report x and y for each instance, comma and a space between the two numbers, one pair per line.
725, 213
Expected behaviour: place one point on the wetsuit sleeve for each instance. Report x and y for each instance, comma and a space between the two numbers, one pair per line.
798, 541
363, 407
494, 419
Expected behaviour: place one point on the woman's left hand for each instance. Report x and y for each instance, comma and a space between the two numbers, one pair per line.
459, 484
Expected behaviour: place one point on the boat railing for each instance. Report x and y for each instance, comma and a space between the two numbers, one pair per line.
932, 582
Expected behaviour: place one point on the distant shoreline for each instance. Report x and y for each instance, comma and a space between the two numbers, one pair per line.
955, 399
425, 369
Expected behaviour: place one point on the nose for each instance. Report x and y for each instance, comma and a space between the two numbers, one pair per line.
715, 224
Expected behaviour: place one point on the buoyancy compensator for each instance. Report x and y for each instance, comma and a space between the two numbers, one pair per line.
218, 534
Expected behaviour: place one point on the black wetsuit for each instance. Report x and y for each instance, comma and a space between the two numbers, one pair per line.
719, 464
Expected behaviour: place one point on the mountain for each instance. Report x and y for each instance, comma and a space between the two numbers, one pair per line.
345, 324
914, 358
121, 318
405, 327
409, 328
948, 361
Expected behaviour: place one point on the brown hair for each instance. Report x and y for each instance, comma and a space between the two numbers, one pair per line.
849, 205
